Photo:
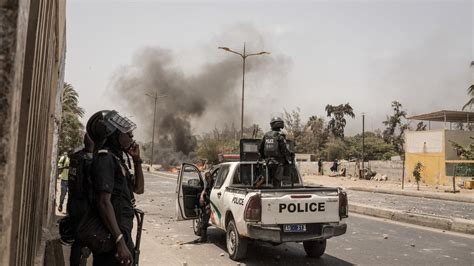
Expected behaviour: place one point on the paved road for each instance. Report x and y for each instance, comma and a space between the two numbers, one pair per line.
414, 204
165, 240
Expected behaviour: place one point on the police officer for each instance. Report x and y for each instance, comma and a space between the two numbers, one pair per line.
63, 166
80, 196
204, 203
274, 150
112, 181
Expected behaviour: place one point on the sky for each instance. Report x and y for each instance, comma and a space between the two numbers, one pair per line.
367, 53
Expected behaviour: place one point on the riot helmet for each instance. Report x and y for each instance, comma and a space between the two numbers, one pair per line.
277, 123
104, 123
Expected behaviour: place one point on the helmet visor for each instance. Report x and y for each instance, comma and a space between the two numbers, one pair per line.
121, 123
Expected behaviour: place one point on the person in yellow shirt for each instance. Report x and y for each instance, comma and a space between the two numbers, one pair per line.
63, 167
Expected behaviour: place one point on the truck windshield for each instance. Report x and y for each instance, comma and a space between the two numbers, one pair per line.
246, 175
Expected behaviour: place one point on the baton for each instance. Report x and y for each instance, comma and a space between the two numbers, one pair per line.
139, 214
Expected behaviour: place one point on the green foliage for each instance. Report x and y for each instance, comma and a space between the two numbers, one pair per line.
71, 131
464, 153
335, 149
421, 126
417, 173
338, 121
395, 128
375, 147
470, 93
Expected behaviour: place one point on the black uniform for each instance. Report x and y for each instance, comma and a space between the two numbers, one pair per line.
110, 174
79, 199
206, 210
274, 150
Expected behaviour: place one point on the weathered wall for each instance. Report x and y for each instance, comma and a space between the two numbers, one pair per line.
392, 169
31, 66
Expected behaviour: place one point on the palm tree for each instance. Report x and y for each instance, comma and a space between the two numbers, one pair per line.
71, 129
470, 92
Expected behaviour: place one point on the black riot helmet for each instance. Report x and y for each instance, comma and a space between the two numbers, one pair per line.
277, 123
104, 123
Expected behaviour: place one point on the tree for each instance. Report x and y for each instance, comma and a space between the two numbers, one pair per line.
421, 126
417, 174
375, 147
335, 149
338, 121
309, 137
470, 92
395, 128
464, 153
71, 130
293, 125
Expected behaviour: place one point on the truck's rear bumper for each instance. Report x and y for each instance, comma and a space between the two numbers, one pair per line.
274, 233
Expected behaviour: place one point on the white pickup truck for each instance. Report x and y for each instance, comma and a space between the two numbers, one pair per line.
292, 213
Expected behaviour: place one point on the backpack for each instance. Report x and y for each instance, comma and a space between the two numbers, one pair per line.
80, 183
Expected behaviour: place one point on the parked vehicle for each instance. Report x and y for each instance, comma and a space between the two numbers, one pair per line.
292, 213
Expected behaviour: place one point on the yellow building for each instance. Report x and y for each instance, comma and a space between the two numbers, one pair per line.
434, 149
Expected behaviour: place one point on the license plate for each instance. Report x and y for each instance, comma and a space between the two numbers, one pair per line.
294, 228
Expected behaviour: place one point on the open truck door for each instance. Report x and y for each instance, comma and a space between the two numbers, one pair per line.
188, 189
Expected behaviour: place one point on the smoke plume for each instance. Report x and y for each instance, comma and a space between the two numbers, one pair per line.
212, 92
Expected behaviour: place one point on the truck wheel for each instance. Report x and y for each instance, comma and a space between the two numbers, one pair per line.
197, 226
236, 244
315, 248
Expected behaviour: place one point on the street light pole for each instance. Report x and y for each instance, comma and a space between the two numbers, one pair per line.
155, 97
244, 56
363, 141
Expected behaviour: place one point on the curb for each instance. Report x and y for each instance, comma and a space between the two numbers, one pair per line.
439, 196
451, 224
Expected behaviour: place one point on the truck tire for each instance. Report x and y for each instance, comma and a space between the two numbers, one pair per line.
197, 226
236, 244
315, 248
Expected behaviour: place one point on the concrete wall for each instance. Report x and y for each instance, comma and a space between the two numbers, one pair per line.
31, 66
393, 169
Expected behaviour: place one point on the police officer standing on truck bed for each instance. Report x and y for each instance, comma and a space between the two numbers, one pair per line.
112, 181
274, 150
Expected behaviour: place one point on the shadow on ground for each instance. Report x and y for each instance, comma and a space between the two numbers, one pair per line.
262, 253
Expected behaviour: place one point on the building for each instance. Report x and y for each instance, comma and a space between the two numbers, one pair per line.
32, 57
434, 149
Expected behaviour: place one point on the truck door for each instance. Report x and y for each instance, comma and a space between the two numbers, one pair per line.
217, 196
188, 189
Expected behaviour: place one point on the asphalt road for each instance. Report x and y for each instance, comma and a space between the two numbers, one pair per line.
168, 242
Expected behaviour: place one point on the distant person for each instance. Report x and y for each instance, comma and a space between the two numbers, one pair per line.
320, 166
113, 184
204, 203
334, 166
63, 167
274, 150
80, 196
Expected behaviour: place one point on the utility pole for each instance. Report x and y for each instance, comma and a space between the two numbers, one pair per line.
244, 56
363, 141
155, 97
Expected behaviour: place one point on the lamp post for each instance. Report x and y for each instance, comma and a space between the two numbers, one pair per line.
155, 97
244, 56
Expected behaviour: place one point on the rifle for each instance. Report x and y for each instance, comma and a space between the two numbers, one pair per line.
139, 214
